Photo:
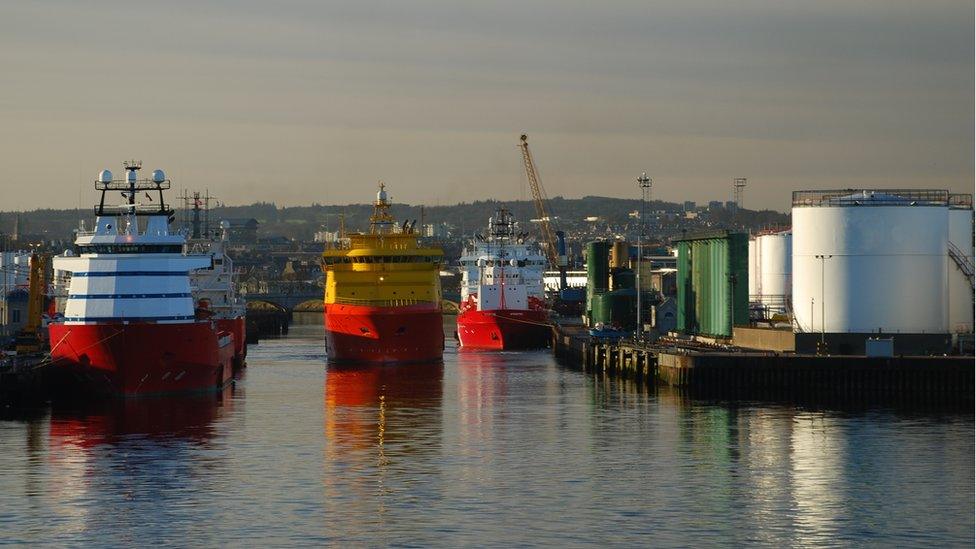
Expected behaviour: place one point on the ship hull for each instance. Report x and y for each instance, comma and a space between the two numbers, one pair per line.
236, 326
503, 329
384, 335
137, 359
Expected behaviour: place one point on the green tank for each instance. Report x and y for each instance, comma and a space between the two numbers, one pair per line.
713, 282
597, 270
624, 279
617, 308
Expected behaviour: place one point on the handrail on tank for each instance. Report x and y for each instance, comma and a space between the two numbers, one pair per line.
961, 201
855, 197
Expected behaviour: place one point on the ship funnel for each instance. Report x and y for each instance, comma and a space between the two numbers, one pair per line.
158, 176
105, 176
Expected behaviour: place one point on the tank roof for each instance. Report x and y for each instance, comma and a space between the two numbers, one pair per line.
871, 197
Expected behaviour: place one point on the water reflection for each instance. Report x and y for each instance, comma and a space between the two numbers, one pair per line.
382, 430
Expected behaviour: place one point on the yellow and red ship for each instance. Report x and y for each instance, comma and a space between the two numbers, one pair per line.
383, 294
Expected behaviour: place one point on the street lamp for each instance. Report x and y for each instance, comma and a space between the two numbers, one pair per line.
823, 322
644, 183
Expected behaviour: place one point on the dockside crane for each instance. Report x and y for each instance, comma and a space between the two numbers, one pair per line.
30, 339
555, 254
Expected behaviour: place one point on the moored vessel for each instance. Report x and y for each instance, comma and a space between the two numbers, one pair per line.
130, 326
383, 294
502, 295
214, 288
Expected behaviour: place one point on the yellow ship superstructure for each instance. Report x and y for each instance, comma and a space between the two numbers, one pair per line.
383, 294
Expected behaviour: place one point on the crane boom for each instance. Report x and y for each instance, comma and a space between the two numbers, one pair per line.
540, 199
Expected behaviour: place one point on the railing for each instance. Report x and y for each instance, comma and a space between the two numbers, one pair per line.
961, 261
382, 302
871, 197
961, 201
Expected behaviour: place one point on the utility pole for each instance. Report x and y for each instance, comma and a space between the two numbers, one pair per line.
823, 307
644, 183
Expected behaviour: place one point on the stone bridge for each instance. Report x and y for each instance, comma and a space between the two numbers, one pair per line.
286, 301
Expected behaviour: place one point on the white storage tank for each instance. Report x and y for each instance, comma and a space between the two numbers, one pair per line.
753, 272
881, 265
960, 260
774, 254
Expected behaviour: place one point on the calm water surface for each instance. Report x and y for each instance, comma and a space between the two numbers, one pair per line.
488, 449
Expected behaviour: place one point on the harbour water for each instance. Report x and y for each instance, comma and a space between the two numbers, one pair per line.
487, 449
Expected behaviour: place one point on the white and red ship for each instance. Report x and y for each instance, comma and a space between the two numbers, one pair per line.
131, 323
502, 293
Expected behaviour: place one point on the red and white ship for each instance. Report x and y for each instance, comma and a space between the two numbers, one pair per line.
502, 295
214, 288
130, 326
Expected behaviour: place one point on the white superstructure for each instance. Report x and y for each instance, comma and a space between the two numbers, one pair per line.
129, 268
870, 261
215, 287
503, 270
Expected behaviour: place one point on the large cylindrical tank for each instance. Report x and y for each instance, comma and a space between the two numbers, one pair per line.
597, 269
870, 261
616, 309
753, 271
597, 266
624, 279
774, 255
620, 255
961, 245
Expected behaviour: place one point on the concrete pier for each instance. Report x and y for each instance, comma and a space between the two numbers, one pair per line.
725, 373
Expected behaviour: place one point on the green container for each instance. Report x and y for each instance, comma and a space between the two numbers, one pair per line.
713, 283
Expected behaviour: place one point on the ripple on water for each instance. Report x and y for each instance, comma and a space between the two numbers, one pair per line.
486, 449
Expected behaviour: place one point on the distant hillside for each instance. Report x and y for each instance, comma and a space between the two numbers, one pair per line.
301, 222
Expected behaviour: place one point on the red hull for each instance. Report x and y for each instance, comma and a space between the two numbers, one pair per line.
140, 358
503, 329
236, 326
384, 335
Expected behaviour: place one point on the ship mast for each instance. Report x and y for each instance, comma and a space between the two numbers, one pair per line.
381, 222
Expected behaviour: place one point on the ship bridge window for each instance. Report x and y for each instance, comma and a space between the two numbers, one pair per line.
129, 249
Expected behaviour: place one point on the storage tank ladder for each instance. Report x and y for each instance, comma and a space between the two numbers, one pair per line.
963, 263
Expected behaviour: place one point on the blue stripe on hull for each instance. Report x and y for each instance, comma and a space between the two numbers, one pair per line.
126, 296
131, 273
125, 318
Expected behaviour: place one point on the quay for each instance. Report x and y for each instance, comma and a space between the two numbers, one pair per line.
734, 373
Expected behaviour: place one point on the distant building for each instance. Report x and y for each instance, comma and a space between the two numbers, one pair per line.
439, 230
13, 311
730, 205
714, 205
690, 206
666, 316
240, 231
326, 237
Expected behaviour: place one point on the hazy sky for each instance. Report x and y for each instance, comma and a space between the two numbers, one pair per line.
313, 101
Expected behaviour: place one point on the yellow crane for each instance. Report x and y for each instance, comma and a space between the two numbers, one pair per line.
540, 199
29, 339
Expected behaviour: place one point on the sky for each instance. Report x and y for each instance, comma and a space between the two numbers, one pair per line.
300, 102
